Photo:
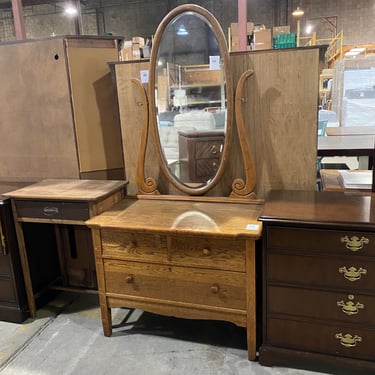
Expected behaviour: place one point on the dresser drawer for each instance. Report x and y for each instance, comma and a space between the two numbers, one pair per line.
50, 210
322, 337
207, 167
316, 304
186, 251
321, 240
352, 274
173, 283
208, 149
209, 253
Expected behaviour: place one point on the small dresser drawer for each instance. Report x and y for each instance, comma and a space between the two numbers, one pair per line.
179, 284
207, 167
332, 241
208, 253
347, 273
208, 150
134, 246
353, 308
322, 337
50, 210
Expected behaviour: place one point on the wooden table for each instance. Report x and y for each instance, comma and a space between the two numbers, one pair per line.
346, 145
62, 202
350, 130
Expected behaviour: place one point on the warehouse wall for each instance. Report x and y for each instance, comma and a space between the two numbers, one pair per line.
141, 17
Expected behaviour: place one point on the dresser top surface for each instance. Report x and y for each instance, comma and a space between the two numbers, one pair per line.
320, 207
183, 217
67, 189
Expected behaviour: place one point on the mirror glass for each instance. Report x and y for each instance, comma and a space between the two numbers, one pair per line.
190, 99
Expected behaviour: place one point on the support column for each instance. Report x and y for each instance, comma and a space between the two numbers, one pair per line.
19, 22
242, 24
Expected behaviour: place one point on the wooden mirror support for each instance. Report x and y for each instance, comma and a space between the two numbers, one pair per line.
240, 188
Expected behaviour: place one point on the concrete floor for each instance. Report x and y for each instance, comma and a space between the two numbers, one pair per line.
66, 338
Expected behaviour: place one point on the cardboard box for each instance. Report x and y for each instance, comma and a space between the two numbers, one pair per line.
277, 30
138, 40
234, 28
262, 39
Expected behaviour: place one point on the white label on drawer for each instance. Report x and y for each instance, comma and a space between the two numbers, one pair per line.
252, 226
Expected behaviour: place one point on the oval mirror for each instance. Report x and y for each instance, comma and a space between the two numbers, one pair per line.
191, 98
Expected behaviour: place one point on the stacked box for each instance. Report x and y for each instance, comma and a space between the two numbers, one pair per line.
285, 41
235, 38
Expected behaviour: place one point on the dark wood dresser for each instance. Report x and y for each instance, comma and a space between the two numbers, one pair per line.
200, 154
319, 281
13, 302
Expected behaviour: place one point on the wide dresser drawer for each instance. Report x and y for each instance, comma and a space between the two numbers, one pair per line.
174, 250
320, 305
348, 273
321, 240
322, 337
174, 283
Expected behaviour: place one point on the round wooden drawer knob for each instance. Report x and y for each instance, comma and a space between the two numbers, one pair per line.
215, 289
129, 279
206, 251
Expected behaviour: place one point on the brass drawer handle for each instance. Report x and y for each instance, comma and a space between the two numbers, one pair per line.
129, 279
214, 149
2, 240
354, 243
353, 274
349, 308
206, 251
50, 211
348, 340
215, 289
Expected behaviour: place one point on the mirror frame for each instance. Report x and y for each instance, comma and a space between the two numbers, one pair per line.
211, 20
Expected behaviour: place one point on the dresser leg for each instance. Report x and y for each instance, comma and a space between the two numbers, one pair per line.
106, 319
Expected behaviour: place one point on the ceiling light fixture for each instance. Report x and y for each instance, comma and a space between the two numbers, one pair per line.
182, 31
71, 10
298, 12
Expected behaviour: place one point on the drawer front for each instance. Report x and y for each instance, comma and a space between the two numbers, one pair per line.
173, 283
208, 150
347, 273
185, 251
321, 337
330, 241
4, 264
52, 210
134, 246
6, 290
207, 167
316, 304
209, 253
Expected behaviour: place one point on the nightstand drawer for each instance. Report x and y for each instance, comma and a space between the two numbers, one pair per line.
352, 274
207, 167
331, 241
6, 290
50, 210
322, 337
178, 284
208, 149
353, 308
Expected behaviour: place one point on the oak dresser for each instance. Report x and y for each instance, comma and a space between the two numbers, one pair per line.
319, 281
179, 257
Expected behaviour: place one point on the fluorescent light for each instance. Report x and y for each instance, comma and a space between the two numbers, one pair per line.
359, 50
182, 31
352, 53
71, 10
298, 12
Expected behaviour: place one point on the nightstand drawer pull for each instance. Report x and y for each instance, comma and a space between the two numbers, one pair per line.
350, 308
129, 279
352, 274
348, 340
50, 211
214, 149
354, 243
